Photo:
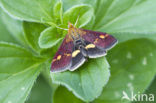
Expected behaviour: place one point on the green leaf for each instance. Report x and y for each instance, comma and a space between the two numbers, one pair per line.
17, 86
151, 90
15, 59
62, 95
41, 92
49, 38
132, 70
69, 3
122, 37
14, 27
83, 13
128, 19
58, 11
88, 81
30, 10
18, 71
32, 33
4, 33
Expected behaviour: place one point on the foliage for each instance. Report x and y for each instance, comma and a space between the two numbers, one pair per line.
30, 35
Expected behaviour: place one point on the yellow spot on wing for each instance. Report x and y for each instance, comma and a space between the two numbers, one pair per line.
66, 54
106, 35
75, 53
54, 60
90, 46
102, 36
96, 40
58, 57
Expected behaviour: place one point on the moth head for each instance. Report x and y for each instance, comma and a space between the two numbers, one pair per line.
70, 25
71, 29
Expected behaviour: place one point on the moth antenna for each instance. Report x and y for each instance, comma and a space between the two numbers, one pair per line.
77, 20
61, 28
53, 24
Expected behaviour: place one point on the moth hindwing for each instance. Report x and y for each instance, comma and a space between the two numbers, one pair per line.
78, 45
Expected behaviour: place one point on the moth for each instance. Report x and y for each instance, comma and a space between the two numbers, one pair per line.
78, 45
